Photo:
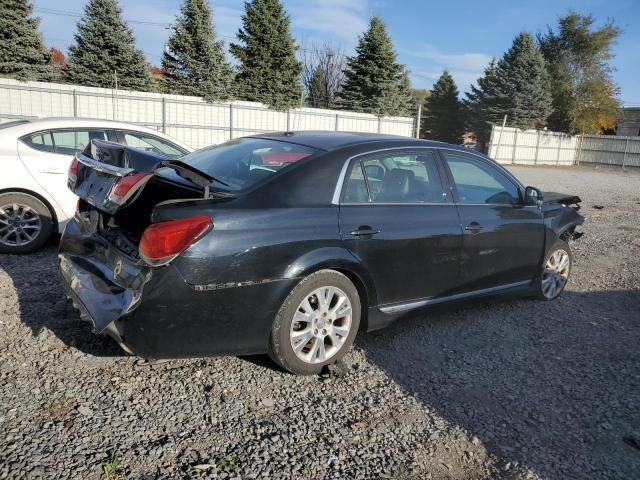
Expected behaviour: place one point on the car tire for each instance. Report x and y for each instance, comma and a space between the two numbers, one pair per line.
26, 223
555, 271
308, 326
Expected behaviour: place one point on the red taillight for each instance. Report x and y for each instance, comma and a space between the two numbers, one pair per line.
127, 186
163, 241
72, 175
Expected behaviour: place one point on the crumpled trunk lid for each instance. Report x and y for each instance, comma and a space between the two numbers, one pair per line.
106, 169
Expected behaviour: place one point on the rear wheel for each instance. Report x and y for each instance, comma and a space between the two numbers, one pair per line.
25, 223
555, 271
316, 324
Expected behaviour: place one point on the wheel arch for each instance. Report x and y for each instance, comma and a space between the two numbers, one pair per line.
344, 262
47, 203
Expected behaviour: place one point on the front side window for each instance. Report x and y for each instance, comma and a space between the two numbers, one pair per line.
243, 162
153, 144
480, 183
70, 142
395, 177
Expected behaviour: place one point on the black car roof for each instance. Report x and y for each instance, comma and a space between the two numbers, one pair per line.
327, 140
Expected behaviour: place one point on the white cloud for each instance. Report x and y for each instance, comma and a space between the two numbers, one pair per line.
465, 67
343, 20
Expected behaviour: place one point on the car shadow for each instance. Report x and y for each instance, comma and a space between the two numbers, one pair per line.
42, 301
552, 386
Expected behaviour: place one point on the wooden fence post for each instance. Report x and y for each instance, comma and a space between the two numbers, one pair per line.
626, 149
515, 145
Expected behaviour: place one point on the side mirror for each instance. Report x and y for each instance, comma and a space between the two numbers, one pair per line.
532, 196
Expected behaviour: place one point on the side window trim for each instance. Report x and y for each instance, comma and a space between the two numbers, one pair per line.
338, 198
452, 183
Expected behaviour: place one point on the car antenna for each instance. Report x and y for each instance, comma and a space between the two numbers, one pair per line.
288, 134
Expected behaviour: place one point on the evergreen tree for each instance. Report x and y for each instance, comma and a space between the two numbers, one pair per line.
194, 62
485, 105
523, 84
269, 71
104, 44
585, 97
374, 81
23, 54
442, 118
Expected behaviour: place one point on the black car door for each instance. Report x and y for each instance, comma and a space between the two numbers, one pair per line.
503, 239
396, 217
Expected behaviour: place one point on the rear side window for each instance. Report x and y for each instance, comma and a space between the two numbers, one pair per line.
244, 162
153, 144
70, 142
41, 141
478, 183
395, 177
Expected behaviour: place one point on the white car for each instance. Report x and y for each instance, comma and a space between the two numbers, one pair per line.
34, 159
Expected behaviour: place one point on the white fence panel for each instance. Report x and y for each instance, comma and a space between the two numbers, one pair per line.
532, 147
189, 119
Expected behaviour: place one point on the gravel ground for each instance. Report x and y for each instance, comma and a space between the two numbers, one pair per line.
517, 389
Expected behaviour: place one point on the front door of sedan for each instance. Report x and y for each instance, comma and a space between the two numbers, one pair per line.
503, 240
396, 217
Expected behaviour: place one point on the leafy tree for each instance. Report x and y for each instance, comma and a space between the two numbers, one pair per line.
23, 54
374, 81
105, 45
269, 71
57, 65
443, 119
194, 62
585, 97
523, 84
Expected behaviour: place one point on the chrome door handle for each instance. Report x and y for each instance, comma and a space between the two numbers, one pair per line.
364, 232
473, 227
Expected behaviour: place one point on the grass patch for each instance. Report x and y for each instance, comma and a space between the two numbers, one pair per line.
113, 470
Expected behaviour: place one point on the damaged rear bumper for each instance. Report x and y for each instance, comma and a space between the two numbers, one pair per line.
155, 313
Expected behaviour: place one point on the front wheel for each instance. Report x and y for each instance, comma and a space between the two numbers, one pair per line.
316, 324
555, 271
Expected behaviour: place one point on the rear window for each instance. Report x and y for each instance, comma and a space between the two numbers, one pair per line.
243, 162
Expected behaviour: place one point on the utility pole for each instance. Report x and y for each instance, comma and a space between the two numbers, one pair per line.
418, 119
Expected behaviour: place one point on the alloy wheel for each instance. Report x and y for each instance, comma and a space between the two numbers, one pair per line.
321, 325
556, 273
19, 224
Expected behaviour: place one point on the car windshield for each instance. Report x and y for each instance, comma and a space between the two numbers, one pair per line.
241, 163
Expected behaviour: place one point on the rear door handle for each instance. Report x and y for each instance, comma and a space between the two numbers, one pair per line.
364, 231
473, 227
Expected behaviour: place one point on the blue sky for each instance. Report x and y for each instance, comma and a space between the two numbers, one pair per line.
428, 35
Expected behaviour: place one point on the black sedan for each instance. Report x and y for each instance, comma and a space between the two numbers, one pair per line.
289, 244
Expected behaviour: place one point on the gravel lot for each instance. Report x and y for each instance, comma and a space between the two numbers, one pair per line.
517, 389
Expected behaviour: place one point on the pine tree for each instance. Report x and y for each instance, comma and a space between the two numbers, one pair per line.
485, 105
585, 97
523, 84
374, 81
23, 54
269, 71
442, 118
104, 46
194, 62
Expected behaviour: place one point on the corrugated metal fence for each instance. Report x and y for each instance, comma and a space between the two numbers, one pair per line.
189, 119
541, 147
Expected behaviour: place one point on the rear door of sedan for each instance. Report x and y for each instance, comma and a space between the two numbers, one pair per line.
503, 239
396, 216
